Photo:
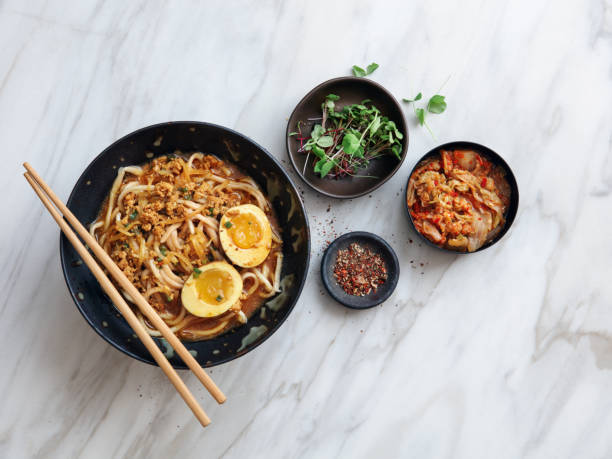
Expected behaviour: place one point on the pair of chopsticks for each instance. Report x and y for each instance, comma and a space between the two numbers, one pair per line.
48, 198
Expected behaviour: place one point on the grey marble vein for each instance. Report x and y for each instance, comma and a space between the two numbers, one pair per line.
506, 353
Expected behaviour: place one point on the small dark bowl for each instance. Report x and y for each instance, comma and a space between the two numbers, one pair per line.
375, 243
139, 147
352, 90
495, 159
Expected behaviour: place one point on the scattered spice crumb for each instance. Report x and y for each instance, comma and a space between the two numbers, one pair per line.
359, 270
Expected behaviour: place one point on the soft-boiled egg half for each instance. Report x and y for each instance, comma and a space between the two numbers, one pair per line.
212, 289
246, 236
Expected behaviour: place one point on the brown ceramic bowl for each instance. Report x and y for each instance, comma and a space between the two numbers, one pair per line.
352, 90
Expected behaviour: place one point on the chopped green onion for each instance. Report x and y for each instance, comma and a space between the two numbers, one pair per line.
219, 298
133, 215
196, 272
228, 224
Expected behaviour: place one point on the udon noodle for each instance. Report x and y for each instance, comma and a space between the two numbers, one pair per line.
160, 222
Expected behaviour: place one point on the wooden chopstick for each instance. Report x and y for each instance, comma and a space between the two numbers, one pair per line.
132, 291
123, 307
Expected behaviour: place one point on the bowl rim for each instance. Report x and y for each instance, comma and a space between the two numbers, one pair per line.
378, 183
498, 159
366, 235
64, 263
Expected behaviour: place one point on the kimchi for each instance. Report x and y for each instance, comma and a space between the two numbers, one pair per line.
459, 200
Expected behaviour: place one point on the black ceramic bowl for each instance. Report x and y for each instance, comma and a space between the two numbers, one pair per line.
495, 159
139, 147
376, 244
352, 90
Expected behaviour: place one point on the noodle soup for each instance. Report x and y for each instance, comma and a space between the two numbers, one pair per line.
197, 238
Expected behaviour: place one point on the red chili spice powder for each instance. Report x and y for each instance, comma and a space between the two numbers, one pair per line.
359, 270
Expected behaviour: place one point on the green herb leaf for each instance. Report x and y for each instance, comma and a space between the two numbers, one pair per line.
420, 113
319, 152
436, 104
317, 131
358, 71
211, 211
350, 143
396, 151
228, 224
163, 249
326, 168
325, 141
375, 126
291, 134
196, 272
133, 215
417, 97
370, 68
364, 134
219, 298
330, 106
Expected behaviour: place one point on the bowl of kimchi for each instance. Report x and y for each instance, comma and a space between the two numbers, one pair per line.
461, 197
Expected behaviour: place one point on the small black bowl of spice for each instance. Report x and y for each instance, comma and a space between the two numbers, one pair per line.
360, 270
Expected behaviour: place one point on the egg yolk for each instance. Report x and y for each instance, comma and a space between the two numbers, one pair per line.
214, 286
245, 230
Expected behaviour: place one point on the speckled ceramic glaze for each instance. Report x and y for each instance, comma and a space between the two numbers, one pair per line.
139, 147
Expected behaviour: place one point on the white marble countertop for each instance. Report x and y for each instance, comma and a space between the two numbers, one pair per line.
505, 353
